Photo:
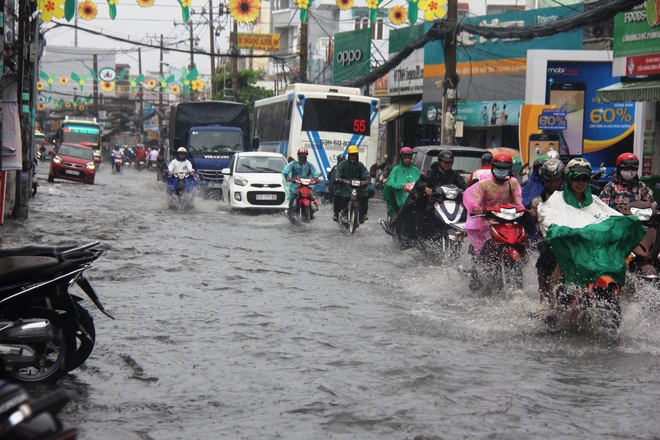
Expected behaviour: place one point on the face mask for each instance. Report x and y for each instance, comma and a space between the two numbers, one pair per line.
500, 174
628, 176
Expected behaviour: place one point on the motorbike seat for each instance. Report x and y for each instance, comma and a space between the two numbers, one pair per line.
15, 268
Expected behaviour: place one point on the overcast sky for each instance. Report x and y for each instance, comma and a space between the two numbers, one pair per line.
145, 25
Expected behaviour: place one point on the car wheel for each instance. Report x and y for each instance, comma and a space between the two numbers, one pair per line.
51, 178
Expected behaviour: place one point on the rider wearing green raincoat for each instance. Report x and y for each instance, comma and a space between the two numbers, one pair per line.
405, 172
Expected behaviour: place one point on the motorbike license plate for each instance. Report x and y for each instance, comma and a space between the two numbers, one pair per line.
73, 173
266, 197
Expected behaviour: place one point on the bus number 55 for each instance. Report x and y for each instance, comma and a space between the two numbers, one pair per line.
359, 125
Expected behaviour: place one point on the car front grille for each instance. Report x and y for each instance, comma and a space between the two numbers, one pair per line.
73, 165
211, 175
266, 185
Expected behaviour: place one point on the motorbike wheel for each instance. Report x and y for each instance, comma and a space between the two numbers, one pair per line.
607, 305
353, 217
305, 213
55, 355
117, 168
512, 274
84, 344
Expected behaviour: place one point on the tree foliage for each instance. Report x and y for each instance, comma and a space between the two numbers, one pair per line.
248, 91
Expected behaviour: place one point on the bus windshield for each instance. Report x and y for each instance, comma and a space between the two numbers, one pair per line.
220, 141
336, 115
84, 135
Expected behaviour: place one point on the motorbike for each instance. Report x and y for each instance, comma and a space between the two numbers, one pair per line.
445, 236
181, 189
594, 306
304, 202
117, 165
26, 418
382, 177
349, 217
644, 260
44, 330
141, 164
504, 254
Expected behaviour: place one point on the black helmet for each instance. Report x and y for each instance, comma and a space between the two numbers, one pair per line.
487, 158
446, 156
551, 169
340, 158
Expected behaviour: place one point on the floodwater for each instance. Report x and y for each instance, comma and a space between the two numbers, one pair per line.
244, 326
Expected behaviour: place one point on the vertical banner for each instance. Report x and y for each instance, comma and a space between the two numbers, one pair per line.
530, 136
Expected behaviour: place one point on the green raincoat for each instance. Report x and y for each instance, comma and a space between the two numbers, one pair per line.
393, 192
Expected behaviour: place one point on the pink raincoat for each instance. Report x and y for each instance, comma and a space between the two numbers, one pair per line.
486, 193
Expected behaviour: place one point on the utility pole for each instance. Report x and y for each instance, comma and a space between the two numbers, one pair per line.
303, 53
233, 42
160, 95
212, 34
192, 56
450, 83
141, 116
95, 85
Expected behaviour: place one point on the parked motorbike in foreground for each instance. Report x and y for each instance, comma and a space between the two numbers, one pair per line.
504, 254
181, 190
25, 418
44, 330
349, 217
644, 260
305, 203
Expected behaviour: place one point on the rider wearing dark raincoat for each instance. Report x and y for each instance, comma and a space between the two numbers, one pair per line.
347, 170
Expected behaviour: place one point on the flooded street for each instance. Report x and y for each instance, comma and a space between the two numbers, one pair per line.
244, 326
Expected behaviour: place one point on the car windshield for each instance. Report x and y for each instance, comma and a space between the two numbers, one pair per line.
465, 164
80, 153
212, 141
252, 164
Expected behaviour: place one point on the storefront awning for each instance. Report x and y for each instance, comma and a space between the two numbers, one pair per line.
395, 110
632, 91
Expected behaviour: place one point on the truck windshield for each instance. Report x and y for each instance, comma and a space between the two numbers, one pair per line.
215, 141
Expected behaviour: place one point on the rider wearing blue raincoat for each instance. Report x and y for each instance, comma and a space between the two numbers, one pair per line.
297, 168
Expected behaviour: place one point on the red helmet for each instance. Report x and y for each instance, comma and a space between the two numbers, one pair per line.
502, 160
627, 160
302, 150
406, 151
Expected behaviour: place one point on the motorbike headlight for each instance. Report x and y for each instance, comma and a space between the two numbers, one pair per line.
240, 181
509, 214
90, 165
304, 181
450, 193
642, 214
57, 159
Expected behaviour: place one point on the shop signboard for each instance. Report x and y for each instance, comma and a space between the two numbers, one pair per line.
352, 55
636, 45
408, 77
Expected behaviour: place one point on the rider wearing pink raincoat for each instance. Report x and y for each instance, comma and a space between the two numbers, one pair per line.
493, 189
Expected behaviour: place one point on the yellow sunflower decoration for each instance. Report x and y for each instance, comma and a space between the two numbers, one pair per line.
244, 11
145, 3
41, 85
67, 104
81, 107
41, 107
197, 84
151, 83
50, 9
175, 89
107, 86
398, 15
433, 9
344, 5
87, 10
64, 80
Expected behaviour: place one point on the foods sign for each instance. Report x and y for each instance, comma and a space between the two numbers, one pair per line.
637, 41
258, 41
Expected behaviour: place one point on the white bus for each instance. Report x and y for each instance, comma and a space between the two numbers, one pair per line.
325, 119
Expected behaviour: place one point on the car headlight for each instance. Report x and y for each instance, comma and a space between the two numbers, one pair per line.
240, 181
90, 165
57, 159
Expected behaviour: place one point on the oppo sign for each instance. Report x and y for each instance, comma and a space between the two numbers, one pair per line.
349, 56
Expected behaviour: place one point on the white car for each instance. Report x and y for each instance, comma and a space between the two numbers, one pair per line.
254, 181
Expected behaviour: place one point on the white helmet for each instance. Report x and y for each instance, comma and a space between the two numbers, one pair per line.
181, 150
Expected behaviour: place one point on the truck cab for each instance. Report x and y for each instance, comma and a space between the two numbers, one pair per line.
210, 149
